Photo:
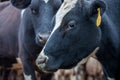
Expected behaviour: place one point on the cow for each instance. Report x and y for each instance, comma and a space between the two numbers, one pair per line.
34, 31
80, 27
9, 24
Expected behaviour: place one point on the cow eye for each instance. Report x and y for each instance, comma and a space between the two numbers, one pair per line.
34, 11
70, 25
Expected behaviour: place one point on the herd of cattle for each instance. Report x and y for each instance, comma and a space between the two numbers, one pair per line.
74, 40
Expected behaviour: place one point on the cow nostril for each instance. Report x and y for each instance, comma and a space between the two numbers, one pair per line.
40, 38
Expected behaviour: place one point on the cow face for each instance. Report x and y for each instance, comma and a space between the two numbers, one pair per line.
74, 36
40, 12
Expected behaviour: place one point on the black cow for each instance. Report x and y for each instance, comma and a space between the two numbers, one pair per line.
79, 30
34, 31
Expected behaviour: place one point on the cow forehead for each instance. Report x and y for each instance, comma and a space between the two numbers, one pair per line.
66, 6
46, 1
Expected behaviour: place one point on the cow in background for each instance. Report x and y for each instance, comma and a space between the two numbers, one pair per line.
35, 28
92, 70
9, 24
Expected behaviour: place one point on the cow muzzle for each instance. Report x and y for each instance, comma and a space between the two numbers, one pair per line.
41, 38
41, 61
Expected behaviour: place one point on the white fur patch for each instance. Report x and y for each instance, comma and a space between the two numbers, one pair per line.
63, 10
46, 1
19, 60
27, 77
22, 12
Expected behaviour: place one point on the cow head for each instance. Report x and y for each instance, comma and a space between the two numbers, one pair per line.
38, 14
75, 34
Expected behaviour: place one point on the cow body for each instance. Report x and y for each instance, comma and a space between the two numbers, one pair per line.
3, 0
4, 5
34, 31
76, 35
9, 25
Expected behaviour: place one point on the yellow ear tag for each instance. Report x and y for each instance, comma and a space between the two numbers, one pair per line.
98, 21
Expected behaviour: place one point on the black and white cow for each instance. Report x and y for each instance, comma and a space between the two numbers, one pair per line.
80, 27
34, 31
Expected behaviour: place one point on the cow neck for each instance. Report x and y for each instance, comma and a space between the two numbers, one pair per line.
109, 47
110, 34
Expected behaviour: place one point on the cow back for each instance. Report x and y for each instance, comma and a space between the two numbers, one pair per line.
9, 24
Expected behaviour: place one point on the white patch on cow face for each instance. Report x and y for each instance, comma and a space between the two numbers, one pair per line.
22, 12
63, 10
46, 1
27, 77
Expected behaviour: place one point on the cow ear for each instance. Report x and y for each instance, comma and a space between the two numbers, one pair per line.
96, 8
21, 4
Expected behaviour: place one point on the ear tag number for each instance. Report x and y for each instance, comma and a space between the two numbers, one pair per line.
98, 21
